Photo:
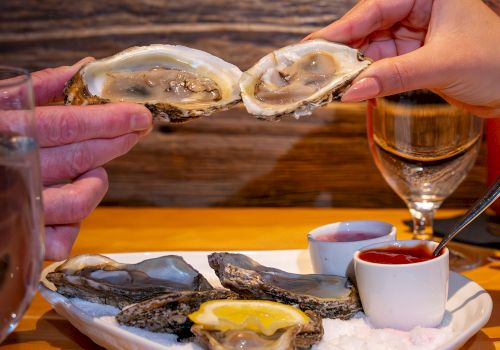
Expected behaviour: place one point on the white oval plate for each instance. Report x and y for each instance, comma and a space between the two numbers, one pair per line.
468, 309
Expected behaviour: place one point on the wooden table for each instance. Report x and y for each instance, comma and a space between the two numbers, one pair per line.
146, 229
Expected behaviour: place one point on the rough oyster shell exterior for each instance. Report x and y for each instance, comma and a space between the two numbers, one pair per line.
99, 279
169, 312
329, 296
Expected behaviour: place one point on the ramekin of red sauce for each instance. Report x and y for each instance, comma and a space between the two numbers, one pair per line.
401, 284
398, 254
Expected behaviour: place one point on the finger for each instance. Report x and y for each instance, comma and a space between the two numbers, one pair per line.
480, 111
60, 125
415, 70
48, 84
69, 161
70, 203
59, 240
365, 18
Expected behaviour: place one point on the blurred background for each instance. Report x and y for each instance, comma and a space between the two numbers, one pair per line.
229, 159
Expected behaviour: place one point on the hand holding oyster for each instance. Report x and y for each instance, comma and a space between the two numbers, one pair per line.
178, 83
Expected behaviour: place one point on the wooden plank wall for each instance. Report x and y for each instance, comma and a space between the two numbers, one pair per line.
229, 159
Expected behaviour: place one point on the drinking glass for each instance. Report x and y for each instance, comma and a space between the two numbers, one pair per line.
424, 148
21, 222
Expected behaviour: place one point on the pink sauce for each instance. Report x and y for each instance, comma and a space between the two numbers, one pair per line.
347, 236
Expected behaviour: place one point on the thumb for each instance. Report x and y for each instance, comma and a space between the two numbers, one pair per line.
415, 70
48, 84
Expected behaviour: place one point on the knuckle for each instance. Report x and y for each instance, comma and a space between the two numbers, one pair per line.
401, 75
64, 129
82, 159
80, 206
52, 131
70, 127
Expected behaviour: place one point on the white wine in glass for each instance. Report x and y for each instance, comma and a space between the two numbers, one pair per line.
424, 148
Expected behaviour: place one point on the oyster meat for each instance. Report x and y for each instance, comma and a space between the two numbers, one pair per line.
97, 278
174, 82
300, 336
330, 296
169, 312
298, 78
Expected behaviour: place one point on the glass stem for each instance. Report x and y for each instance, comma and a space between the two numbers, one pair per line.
423, 217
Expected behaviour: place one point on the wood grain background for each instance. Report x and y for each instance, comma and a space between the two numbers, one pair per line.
229, 159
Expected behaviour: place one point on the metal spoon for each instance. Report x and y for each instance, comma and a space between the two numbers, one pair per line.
491, 194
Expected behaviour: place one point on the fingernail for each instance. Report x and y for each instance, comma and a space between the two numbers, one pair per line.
140, 122
362, 90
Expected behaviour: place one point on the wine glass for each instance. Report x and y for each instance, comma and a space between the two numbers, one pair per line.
424, 148
21, 223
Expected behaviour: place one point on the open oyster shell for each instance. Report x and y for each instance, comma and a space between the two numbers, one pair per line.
300, 336
298, 78
330, 296
99, 279
169, 312
174, 82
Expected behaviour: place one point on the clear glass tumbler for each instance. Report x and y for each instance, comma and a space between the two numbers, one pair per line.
21, 215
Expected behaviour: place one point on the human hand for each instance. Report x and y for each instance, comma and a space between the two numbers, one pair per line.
75, 142
448, 46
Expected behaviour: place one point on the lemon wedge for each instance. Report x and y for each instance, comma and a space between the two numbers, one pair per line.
257, 315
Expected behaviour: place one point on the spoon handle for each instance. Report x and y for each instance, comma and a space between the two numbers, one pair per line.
492, 193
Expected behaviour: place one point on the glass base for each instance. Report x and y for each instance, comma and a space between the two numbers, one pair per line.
463, 258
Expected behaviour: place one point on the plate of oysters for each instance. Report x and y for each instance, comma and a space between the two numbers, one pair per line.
191, 300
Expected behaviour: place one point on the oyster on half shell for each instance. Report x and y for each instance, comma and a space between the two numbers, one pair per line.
290, 338
97, 278
329, 296
174, 82
298, 78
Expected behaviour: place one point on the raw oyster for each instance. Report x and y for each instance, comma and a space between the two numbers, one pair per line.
289, 338
298, 78
97, 278
174, 82
168, 313
330, 296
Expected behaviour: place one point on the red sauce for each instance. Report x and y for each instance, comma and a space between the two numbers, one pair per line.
347, 236
397, 255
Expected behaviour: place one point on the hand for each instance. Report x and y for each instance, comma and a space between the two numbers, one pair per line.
75, 142
448, 46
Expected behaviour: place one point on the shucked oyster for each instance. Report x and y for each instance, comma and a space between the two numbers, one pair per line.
97, 278
330, 296
246, 339
298, 78
290, 338
174, 82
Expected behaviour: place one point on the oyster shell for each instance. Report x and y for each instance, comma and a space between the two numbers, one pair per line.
330, 296
298, 78
174, 82
168, 313
289, 338
97, 278
246, 339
